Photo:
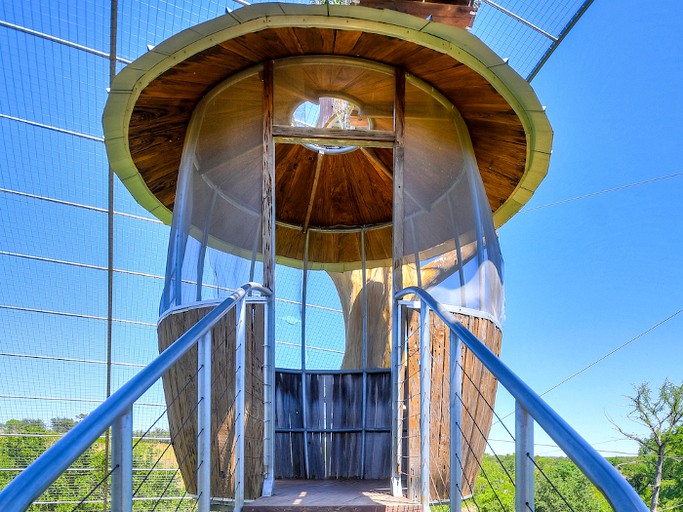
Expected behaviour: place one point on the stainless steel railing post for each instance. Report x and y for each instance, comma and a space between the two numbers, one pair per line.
122, 462
425, 392
204, 423
524, 453
240, 382
455, 403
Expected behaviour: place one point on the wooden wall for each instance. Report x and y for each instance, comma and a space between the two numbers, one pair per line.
479, 387
334, 402
331, 454
180, 388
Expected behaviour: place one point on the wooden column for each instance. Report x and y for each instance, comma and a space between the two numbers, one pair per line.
399, 143
268, 251
397, 277
267, 191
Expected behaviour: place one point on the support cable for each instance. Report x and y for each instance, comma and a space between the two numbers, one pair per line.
601, 359
550, 482
61, 41
97, 486
605, 191
485, 437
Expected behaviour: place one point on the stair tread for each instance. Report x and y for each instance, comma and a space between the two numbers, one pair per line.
332, 496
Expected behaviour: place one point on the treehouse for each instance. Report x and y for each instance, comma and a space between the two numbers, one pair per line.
337, 154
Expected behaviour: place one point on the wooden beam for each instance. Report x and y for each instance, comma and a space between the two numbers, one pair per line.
268, 188
398, 207
318, 166
377, 163
333, 137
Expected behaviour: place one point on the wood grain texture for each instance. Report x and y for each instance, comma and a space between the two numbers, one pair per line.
332, 496
459, 13
335, 424
180, 389
162, 112
478, 397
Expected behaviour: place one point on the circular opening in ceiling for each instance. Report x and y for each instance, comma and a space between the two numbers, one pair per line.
330, 113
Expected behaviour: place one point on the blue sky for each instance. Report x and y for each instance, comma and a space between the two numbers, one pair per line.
586, 276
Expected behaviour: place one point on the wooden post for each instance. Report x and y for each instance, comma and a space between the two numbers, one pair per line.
399, 145
397, 278
268, 251
267, 191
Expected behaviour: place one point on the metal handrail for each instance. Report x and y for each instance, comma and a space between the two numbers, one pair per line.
39, 475
618, 492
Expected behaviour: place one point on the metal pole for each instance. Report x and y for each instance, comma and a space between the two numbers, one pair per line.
204, 423
425, 391
524, 453
456, 423
396, 409
269, 399
122, 463
240, 380
364, 399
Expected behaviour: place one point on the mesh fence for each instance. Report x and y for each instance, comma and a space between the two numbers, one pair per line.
54, 236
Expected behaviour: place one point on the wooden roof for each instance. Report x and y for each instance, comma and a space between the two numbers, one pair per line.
153, 99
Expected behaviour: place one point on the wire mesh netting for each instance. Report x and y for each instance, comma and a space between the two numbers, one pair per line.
58, 361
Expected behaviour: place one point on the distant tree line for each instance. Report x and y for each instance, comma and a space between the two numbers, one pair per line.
155, 475
656, 472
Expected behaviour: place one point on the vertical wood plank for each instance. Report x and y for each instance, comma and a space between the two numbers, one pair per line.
267, 190
399, 145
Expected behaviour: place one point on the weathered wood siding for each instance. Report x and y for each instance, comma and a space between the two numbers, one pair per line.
180, 388
479, 392
335, 425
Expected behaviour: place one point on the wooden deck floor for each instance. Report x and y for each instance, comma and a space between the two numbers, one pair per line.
332, 496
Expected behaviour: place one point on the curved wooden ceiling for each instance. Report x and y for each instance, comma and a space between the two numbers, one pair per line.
162, 112
509, 132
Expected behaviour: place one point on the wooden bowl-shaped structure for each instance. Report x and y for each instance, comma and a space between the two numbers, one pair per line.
399, 144
153, 100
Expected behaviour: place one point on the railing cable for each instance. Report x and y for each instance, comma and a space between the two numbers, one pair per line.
168, 484
485, 437
540, 470
173, 437
486, 401
97, 486
481, 466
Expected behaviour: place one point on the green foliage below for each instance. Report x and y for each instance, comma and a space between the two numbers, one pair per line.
494, 490
22, 441
640, 470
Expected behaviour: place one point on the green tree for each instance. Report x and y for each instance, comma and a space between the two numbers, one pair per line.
62, 425
495, 491
662, 415
565, 483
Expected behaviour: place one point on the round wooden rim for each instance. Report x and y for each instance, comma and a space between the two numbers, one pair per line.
448, 40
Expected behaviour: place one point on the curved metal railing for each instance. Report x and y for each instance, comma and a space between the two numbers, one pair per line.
114, 412
621, 496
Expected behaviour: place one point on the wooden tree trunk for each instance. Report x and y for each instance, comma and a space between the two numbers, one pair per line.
479, 386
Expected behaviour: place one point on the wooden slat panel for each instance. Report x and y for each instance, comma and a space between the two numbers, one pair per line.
181, 393
476, 393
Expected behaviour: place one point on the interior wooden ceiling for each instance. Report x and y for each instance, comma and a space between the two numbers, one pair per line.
158, 122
